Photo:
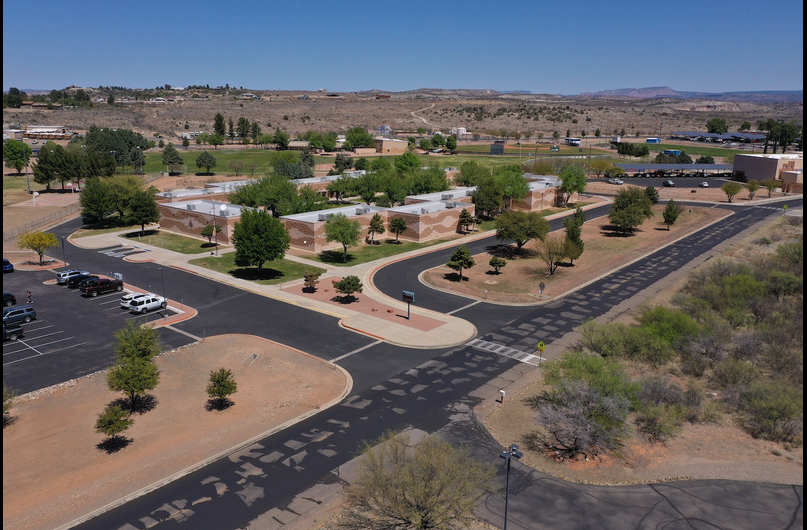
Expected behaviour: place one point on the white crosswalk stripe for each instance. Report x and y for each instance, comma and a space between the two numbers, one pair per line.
505, 351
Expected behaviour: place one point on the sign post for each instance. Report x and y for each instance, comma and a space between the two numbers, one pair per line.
409, 298
541, 347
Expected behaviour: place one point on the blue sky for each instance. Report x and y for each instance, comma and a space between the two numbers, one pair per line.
344, 46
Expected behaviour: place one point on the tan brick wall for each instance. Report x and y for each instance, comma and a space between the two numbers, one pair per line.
191, 222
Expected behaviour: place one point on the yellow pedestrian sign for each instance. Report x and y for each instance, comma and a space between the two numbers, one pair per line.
541, 346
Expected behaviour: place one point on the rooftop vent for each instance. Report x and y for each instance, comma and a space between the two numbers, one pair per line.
446, 197
191, 207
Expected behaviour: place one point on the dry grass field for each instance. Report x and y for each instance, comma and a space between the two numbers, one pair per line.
480, 112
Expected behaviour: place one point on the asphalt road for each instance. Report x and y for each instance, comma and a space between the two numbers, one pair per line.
398, 387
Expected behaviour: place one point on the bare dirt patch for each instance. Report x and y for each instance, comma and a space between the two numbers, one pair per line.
519, 281
53, 472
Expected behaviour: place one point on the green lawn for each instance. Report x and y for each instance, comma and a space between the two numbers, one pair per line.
170, 241
272, 273
384, 248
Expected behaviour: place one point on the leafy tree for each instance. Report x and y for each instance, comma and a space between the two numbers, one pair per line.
206, 160
254, 131
652, 194
259, 238
231, 129
574, 231
242, 128
310, 281
142, 209
113, 421
471, 173
220, 386
14, 98
397, 225
551, 250
520, 227
135, 377
121, 189
341, 186
281, 139
219, 127
347, 286
50, 164
671, 213
173, 160
342, 163
771, 186
346, 231
705, 159
307, 158
465, 219
359, 137
731, 189
406, 163
752, 186
451, 143
460, 260
513, 184
39, 242
16, 154
135, 341
376, 226
488, 197
717, 125
94, 199
599, 166
746, 126
432, 484
573, 180
630, 209
215, 140
497, 263
208, 231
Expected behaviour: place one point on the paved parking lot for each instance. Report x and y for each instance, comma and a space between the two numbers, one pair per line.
72, 335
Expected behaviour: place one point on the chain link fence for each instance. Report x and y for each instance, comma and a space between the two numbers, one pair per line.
42, 221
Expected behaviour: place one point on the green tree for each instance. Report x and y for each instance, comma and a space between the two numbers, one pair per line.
137, 341
121, 189
745, 126
242, 128
173, 160
431, 484
599, 166
142, 209
347, 286
39, 242
488, 197
465, 219
513, 184
14, 98
406, 163
451, 143
460, 260
671, 213
520, 227
206, 160
259, 238
771, 186
752, 186
731, 189
135, 377
219, 127
551, 250
208, 231
342, 163
397, 225
376, 226
220, 386
717, 125
16, 154
705, 159
341, 186
281, 139
50, 164
359, 137
346, 231
472, 173
630, 209
775, 411
574, 231
497, 263
572, 180
113, 421
215, 140
311, 280
652, 194
94, 199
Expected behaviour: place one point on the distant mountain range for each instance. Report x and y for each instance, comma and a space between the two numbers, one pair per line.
762, 96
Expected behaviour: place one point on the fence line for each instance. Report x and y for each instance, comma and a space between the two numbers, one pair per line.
55, 216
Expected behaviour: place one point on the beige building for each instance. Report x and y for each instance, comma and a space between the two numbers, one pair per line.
390, 146
189, 217
766, 167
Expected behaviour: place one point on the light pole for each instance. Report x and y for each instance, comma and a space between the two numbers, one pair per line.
139, 160
511, 452
64, 255
779, 138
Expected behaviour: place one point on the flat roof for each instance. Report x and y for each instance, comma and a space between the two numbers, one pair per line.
321, 215
208, 207
448, 195
421, 208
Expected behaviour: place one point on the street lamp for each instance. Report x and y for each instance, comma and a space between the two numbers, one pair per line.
64, 255
511, 452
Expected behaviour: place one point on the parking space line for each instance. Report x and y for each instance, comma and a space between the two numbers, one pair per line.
66, 348
54, 342
45, 335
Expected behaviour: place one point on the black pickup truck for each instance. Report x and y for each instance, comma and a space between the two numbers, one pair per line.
100, 286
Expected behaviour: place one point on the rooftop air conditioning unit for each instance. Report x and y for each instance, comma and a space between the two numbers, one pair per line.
224, 213
191, 207
363, 210
446, 197
424, 210
323, 217
451, 205
469, 193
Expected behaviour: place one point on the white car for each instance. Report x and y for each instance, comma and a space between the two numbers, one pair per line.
62, 277
704, 184
615, 181
126, 300
147, 303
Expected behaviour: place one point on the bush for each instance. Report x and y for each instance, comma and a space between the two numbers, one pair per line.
659, 423
774, 411
734, 374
